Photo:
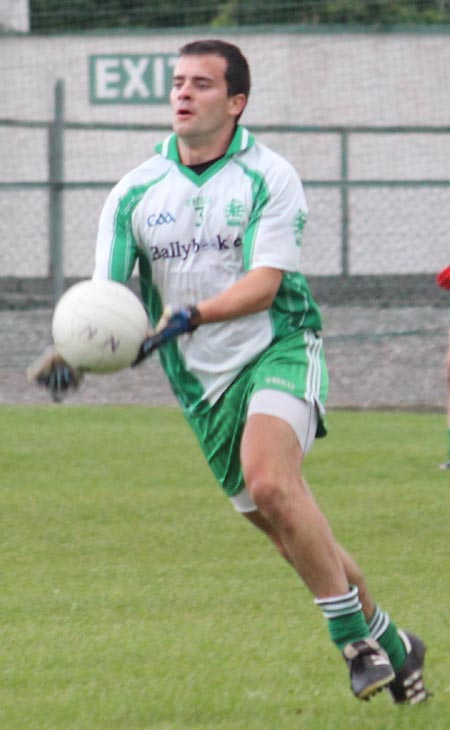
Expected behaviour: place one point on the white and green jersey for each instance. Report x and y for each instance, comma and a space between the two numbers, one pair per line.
195, 235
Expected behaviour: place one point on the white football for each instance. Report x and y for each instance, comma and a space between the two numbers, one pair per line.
99, 326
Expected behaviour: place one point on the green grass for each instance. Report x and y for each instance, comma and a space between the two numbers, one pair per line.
132, 595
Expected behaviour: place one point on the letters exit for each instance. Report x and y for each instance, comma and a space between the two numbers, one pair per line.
131, 79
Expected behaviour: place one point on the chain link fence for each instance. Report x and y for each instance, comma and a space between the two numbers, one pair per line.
366, 123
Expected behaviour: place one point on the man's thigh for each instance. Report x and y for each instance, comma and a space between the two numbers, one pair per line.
280, 429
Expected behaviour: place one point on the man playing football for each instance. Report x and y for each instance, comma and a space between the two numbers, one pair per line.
215, 220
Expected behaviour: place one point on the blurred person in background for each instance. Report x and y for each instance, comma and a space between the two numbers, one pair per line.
443, 280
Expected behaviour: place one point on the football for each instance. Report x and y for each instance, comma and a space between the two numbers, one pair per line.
99, 326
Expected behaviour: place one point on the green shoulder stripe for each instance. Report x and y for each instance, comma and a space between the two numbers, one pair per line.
124, 248
260, 198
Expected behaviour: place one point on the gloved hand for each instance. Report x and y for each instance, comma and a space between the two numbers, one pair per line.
51, 371
171, 325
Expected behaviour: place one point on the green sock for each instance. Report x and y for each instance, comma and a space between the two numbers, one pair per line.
346, 622
347, 629
385, 632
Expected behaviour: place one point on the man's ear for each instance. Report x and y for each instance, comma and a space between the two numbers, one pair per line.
237, 104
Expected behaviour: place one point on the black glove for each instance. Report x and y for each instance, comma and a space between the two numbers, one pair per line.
52, 372
171, 325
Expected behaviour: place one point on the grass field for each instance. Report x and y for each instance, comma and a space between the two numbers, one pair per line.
132, 595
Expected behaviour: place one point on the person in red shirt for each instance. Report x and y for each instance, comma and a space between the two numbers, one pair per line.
443, 280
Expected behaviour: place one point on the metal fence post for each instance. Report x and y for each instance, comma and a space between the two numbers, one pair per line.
56, 194
345, 213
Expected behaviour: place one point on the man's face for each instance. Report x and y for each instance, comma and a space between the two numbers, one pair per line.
201, 107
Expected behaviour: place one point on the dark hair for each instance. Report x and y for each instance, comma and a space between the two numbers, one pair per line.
237, 74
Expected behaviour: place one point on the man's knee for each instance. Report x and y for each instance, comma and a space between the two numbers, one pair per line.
273, 494
266, 493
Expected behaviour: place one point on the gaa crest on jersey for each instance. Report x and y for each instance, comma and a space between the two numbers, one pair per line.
160, 219
298, 225
234, 212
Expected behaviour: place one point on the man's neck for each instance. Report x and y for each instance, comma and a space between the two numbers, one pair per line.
201, 167
196, 154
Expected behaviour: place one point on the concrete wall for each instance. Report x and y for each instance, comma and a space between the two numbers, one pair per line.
14, 15
298, 79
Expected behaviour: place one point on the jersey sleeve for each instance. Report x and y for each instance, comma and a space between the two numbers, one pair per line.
117, 249
274, 234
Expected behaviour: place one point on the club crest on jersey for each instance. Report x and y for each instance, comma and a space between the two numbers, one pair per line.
234, 212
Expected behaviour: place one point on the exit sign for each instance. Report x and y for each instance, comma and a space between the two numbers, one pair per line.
131, 79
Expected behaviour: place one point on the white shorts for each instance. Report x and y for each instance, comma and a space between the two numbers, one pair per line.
300, 414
